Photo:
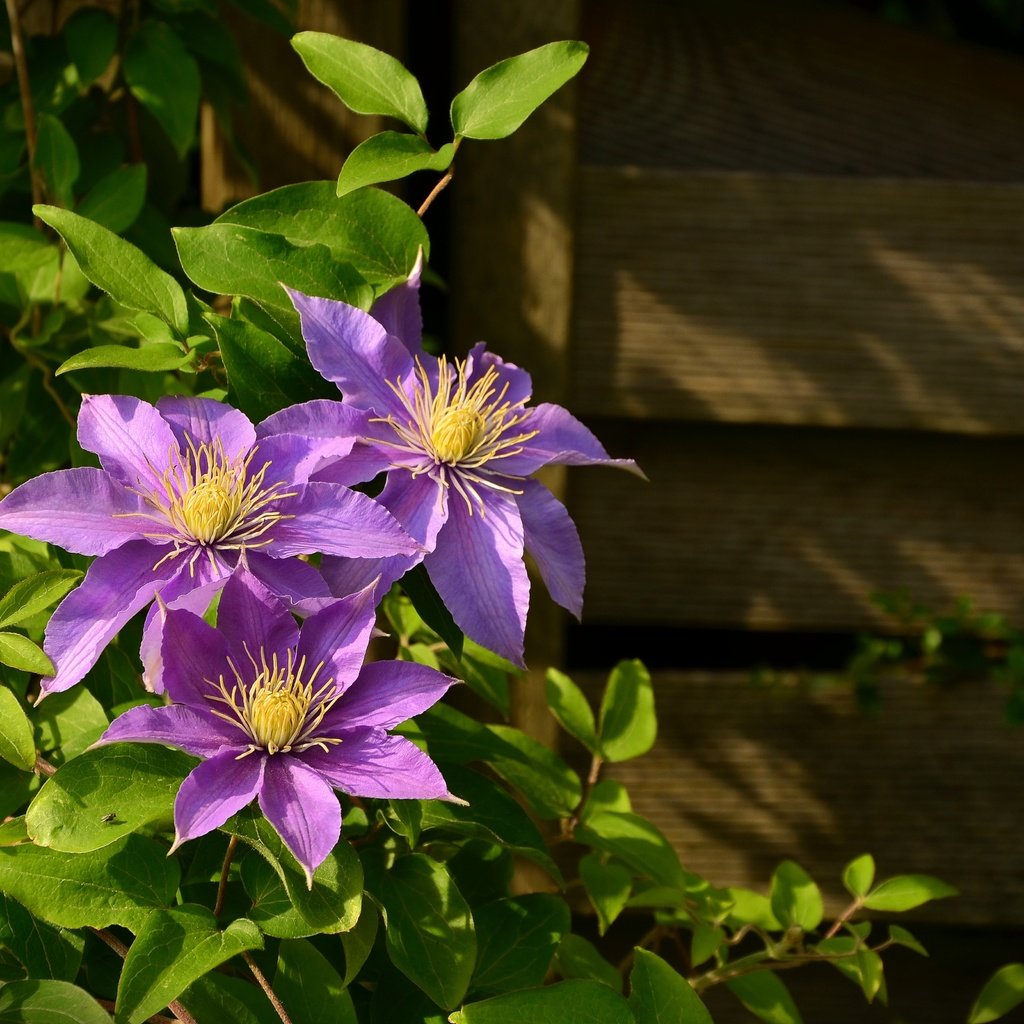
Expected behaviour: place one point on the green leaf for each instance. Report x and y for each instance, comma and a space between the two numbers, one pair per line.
117, 199
659, 995
705, 942
358, 941
628, 725
164, 77
332, 903
272, 908
766, 997
389, 156
172, 949
19, 652
17, 744
516, 939
904, 892
125, 273
749, 907
853, 960
106, 793
90, 35
45, 951
13, 831
264, 374
503, 96
310, 987
49, 1002
859, 874
67, 723
119, 884
56, 159
902, 937
430, 934
795, 898
608, 885
571, 708
35, 594
1001, 993
154, 358
636, 841
233, 260
578, 958
431, 609
556, 1004
217, 999
366, 80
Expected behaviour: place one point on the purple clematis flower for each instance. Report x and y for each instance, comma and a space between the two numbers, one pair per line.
459, 445
284, 715
187, 489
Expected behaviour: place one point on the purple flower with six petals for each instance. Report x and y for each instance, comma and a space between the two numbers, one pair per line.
187, 489
285, 715
459, 444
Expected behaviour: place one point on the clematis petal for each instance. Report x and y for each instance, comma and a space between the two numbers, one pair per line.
192, 652
116, 586
560, 438
131, 438
515, 384
252, 617
301, 805
205, 421
338, 635
174, 726
552, 540
292, 458
320, 418
398, 311
296, 582
214, 791
477, 568
420, 504
352, 349
384, 694
370, 763
332, 519
363, 463
84, 510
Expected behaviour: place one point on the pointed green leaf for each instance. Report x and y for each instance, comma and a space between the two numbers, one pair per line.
628, 724
366, 80
106, 793
171, 950
49, 1002
45, 951
636, 841
430, 934
388, 156
660, 995
155, 358
555, 1004
13, 832
796, 900
56, 159
125, 273
705, 942
751, 907
272, 907
859, 874
571, 709
35, 594
578, 958
904, 892
119, 884
19, 652
358, 941
1002, 992
164, 77
766, 997
117, 199
608, 885
17, 744
90, 35
67, 723
503, 96
902, 937
310, 987
216, 998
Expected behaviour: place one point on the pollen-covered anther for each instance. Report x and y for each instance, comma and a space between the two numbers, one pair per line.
209, 509
277, 716
456, 432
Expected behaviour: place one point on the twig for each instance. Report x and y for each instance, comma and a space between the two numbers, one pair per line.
224, 872
569, 824
44, 767
843, 918
440, 186
265, 985
27, 109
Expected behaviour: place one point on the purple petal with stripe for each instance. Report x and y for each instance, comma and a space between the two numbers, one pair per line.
363, 463
116, 586
294, 581
214, 791
293, 458
337, 521
204, 421
320, 418
337, 636
175, 726
131, 438
301, 805
384, 694
513, 383
398, 311
83, 510
352, 349
477, 568
252, 617
551, 539
192, 652
370, 763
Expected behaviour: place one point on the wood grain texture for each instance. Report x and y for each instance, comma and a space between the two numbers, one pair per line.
788, 299
789, 86
795, 528
742, 777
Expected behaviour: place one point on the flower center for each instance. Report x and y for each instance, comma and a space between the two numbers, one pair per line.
209, 509
456, 431
279, 709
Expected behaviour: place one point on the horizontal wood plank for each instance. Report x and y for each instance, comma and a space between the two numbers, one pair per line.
787, 299
794, 529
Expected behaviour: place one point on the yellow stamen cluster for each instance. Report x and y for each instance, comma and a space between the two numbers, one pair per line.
279, 710
462, 428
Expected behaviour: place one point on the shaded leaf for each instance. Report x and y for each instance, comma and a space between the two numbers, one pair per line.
582, 1001
904, 892
69, 722
431, 609
571, 708
388, 156
90, 35
608, 885
35, 594
117, 199
859, 874
795, 898
578, 958
766, 997
628, 725
660, 995
56, 158
636, 841
17, 744
155, 358
45, 951
49, 1002
1001, 993
310, 987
